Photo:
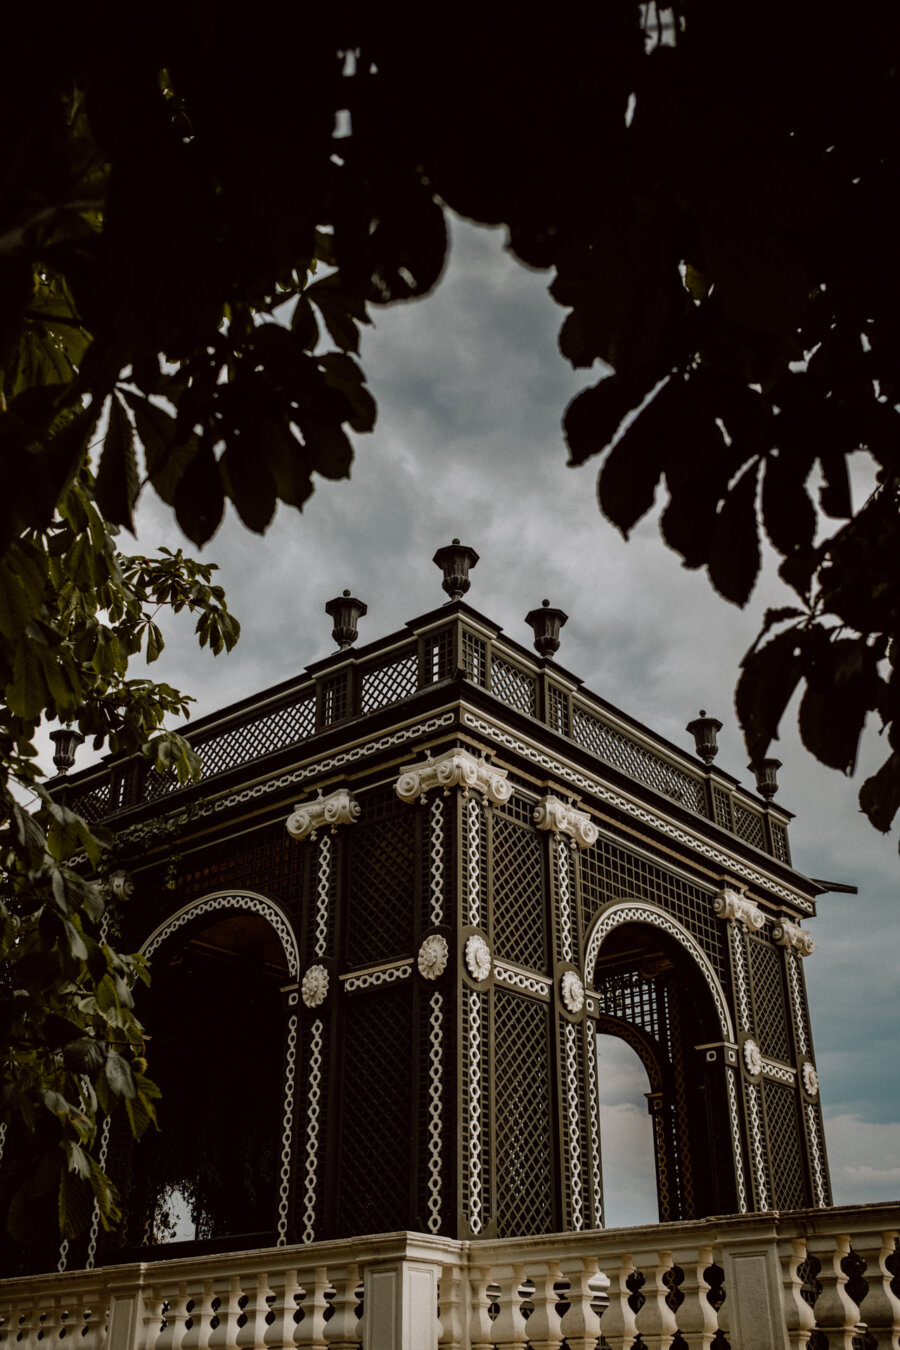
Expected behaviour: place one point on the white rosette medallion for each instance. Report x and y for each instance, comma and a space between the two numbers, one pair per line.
752, 1057
810, 1079
478, 957
314, 988
572, 991
433, 956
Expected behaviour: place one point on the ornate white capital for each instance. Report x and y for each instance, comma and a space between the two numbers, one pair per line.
120, 885
730, 904
338, 808
788, 934
455, 768
752, 1057
433, 956
478, 957
572, 991
314, 988
552, 814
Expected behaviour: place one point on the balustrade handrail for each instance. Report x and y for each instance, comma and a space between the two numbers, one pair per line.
764, 1279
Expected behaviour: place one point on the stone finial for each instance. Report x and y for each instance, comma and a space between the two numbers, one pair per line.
704, 731
730, 904
346, 611
766, 771
788, 934
67, 740
553, 814
455, 768
455, 560
546, 623
338, 808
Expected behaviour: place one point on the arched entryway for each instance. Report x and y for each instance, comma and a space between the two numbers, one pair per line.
656, 991
215, 1013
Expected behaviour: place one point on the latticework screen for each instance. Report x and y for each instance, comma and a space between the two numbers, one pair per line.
252, 740
748, 825
610, 872
637, 761
558, 710
438, 656
520, 918
382, 897
632, 998
334, 699
780, 846
376, 1113
523, 1120
268, 861
474, 657
722, 808
513, 686
767, 974
388, 683
785, 1150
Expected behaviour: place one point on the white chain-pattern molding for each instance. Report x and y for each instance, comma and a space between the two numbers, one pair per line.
323, 888
473, 864
313, 1100
287, 1131
594, 1117
573, 1123
95, 1217
730, 1077
437, 860
435, 1110
756, 1135
243, 901
770, 1068
565, 921
796, 999
372, 979
737, 943
639, 911
520, 979
813, 1127
633, 809
474, 1108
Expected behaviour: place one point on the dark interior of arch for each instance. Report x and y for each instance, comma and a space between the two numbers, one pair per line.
651, 992
216, 1051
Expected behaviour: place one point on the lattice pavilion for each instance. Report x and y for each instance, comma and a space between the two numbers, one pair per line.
386, 929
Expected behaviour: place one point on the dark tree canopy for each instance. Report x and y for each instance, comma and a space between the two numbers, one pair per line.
193, 225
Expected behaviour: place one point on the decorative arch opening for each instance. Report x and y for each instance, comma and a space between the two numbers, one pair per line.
217, 1050
656, 991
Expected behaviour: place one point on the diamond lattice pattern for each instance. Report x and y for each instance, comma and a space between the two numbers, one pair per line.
769, 1001
524, 1139
783, 1131
382, 889
251, 741
635, 760
513, 686
520, 922
391, 682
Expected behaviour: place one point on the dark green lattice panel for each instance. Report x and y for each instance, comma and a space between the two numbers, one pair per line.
785, 1150
520, 922
382, 889
767, 977
523, 1121
376, 1130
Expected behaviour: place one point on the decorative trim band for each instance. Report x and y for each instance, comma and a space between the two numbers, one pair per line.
287, 1132
338, 808
371, 979
558, 816
240, 900
783, 1073
521, 979
454, 768
606, 794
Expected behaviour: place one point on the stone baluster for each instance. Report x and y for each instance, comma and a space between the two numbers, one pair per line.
344, 1330
251, 1335
618, 1323
279, 1334
655, 1321
835, 1311
45, 1324
508, 1327
580, 1324
152, 1316
197, 1338
310, 1331
93, 1322
880, 1308
176, 1315
544, 1326
799, 1319
696, 1318
224, 1336
452, 1294
480, 1321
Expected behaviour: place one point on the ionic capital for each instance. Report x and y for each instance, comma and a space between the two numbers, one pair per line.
730, 904
455, 768
338, 808
553, 814
788, 934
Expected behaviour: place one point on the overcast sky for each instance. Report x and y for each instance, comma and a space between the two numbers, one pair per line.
471, 389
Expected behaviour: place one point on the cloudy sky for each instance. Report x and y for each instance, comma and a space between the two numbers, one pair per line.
471, 389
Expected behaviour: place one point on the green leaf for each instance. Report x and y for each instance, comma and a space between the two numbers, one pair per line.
734, 551
769, 676
879, 796
199, 498
117, 1072
632, 470
117, 483
595, 415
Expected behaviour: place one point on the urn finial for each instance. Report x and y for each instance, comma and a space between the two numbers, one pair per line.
454, 560
546, 623
766, 771
346, 611
704, 730
67, 740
